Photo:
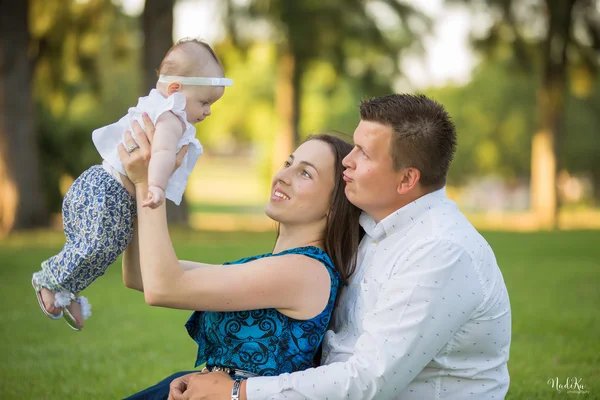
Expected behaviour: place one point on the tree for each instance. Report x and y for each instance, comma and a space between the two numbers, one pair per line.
567, 35
21, 201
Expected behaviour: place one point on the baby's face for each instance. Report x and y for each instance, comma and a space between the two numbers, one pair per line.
199, 99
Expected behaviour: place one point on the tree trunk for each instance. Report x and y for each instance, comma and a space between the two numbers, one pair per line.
298, 73
157, 22
596, 186
550, 110
21, 200
286, 107
158, 39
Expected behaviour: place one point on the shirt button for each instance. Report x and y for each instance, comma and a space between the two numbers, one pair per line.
375, 242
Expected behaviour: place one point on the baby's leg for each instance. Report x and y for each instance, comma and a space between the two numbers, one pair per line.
45, 282
101, 213
45, 297
48, 299
98, 217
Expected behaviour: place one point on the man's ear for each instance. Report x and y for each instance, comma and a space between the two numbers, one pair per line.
408, 178
174, 87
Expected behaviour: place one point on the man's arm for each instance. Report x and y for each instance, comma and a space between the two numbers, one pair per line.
433, 291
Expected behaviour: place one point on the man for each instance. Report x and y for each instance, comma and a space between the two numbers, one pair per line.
426, 314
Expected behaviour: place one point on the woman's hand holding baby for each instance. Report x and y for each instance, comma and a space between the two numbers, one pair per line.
136, 162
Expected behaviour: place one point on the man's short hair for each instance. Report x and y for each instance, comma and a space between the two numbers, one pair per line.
424, 136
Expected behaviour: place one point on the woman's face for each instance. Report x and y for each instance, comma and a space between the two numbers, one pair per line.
301, 191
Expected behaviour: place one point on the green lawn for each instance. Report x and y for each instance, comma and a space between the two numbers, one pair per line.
553, 280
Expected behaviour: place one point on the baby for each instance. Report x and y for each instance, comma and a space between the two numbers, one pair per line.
99, 208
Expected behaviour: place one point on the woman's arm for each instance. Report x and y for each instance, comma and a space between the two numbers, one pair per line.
296, 285
132, 274
130, 263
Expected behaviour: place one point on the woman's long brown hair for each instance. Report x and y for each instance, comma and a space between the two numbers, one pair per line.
342, 232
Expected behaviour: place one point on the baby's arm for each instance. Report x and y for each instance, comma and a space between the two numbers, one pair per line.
169, 130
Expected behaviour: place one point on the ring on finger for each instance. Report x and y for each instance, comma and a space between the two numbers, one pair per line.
131, 148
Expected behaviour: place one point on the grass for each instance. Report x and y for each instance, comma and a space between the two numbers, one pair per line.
227, 208
553, 281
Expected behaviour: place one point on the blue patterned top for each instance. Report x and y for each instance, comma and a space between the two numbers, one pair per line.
264, 341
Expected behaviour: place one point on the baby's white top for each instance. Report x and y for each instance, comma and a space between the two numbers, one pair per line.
108, 138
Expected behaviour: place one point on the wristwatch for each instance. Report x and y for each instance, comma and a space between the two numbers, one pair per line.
235, 392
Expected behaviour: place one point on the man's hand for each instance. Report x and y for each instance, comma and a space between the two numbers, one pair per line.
207, 386
179, 386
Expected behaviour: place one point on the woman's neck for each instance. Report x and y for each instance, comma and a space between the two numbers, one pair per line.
298, 236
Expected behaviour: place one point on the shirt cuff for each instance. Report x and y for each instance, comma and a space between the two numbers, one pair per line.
264, 387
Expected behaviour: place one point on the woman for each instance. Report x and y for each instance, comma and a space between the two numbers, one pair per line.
266, 314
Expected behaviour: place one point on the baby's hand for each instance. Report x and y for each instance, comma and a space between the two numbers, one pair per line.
156, 196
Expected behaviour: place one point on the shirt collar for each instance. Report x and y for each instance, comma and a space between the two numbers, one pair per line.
403, 218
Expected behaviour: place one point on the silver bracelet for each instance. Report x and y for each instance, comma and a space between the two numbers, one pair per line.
235, 392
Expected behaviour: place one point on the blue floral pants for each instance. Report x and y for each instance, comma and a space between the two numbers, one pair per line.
98, 215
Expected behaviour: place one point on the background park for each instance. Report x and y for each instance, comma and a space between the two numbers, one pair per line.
519, 77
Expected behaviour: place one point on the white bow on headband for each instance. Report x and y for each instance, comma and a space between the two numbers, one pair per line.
196, 80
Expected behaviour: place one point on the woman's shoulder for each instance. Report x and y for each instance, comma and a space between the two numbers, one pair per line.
321, 255
311, 251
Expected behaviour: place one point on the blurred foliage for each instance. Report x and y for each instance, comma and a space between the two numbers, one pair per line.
360, 40
85, 76
495, 116
523, 28
579, 152
88, 73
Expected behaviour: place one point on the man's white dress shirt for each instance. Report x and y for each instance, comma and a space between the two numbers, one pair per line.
426, 315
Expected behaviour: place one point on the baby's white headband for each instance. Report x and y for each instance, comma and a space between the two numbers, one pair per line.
196, 80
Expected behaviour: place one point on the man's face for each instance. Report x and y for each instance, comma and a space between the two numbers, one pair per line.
371, 182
